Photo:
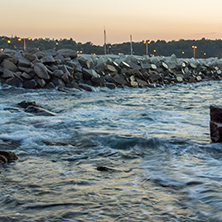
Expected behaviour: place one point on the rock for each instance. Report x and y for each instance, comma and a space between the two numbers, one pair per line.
120, 80
29, 56
7, 157
8, 74
110, 85
41, 71
30, 84
73, 84
58, 73
41, 83
67, 53
32, 107
14, 82
111, 68
23, 62
48, 59
49, 85
7, 64
26, 76
89, 73
216, 123
85, 87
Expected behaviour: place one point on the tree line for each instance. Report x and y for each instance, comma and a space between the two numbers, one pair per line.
182, 48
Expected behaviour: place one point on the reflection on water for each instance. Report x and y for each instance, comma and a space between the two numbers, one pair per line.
156, 140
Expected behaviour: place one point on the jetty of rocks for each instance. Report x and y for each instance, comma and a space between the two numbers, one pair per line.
65, 70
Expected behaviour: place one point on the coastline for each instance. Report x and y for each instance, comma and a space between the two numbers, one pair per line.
65, 70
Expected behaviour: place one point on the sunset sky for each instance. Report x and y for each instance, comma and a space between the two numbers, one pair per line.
84, 20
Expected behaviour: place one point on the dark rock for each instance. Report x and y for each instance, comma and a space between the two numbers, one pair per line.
85, 87
7, 64
8, 74
25, 69
89, 73
41, 83
110, 85
57, 82
7, 157
67, 53
32, 107
73, 84
30, 84
48, 59
97, 81
26, 76
23, 62
29, 56
41, 71
120, 80
49, 85
14, 82
216, 123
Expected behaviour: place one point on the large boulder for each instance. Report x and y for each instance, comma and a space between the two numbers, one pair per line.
7, 64
41, 71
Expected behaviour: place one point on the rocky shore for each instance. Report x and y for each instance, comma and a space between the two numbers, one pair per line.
67, 71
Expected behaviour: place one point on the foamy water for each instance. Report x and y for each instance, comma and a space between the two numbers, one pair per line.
157, 140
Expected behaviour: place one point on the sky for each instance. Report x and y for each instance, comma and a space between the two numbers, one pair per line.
85, 20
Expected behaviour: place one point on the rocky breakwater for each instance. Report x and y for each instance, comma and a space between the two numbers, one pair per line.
66, 71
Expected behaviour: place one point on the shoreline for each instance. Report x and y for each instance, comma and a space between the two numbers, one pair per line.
65, 70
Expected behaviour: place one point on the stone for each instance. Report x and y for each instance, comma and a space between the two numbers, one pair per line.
73, 84
30, 84
110, 85
154, 77
32, 107
29, 56
7, 74
7, 64
153, 66
58, 73
65, 78
41, 82
14, 82
85, 87
67, 53
89, 73
142, 83
120, 80
111, 68
24, 69
48, 59
49, 85
198, 78
23, 62
41, 71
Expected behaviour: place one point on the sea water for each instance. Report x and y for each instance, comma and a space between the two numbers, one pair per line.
156, 140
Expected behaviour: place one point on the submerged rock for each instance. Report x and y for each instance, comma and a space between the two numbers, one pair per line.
32, 107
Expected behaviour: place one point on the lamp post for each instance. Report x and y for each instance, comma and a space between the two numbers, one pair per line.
194, 50
147, 42
24, 42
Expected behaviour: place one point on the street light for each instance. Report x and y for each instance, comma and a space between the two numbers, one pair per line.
9, 42
147, 42
24, 42
194, 48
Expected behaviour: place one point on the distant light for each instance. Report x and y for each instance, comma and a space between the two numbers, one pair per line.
2, 50
29, 38
9, 41
205, 53
216, 57
194, 47
154, 50
77, 51
19, 39
182, 52
94, 53
80, 52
